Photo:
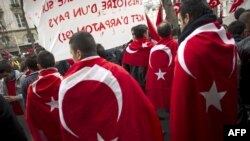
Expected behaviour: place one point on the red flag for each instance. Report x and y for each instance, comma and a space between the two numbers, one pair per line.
100, 101
214, 3
235, 5
159, 17
177, 6
154, 35
42, 106
204, 91
137, 53
160, 72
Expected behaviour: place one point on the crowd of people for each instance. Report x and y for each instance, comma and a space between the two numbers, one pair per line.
198, 84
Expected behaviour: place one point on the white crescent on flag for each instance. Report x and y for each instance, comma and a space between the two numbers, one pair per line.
205, 28
164, 48
96, 73
130, 51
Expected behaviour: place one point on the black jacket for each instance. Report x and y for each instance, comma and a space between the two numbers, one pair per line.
244, 80
10, 129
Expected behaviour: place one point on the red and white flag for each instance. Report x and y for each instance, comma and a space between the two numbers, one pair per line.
151, 29
204, 91
214, 3
235, 5
100, 101
160, 72
42, 106
137, 53
176, 7
159, 18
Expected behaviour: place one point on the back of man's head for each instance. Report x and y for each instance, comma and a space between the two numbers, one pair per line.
45, 59
238, 12
245, 18
140, 31
236, 27
31, 62
100, 50
164, 29
5, 67
195, 8
84, 42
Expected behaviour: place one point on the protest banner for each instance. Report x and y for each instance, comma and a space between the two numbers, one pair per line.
109, 21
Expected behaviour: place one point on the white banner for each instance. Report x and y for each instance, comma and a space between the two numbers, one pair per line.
109, 21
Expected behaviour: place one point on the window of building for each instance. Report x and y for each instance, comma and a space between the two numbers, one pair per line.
20, 20
5, 40
15, 2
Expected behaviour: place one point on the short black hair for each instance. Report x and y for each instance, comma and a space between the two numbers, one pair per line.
31, 62
195, 8
5, 66
100, 50
236, 27
238, 12
83, 41
164, 29
245, 18
46, 59
140, 30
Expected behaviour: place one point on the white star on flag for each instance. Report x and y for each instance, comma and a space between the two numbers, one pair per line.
53, 104
213, 97
145, 44
160, 75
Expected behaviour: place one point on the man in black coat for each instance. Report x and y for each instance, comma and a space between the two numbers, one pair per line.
10, 129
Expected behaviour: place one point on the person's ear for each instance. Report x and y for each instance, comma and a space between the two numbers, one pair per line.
186, 18
79, 54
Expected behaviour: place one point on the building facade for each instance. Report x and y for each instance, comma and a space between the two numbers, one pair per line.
14, 37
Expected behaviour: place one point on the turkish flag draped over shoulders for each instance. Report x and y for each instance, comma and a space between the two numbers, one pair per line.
160, 72
204, 92
235, 5
42, 106
137, 52
100, 101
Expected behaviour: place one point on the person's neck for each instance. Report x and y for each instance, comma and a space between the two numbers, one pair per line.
89, 55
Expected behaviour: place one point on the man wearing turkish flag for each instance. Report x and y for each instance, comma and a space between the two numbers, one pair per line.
204, 93
42, 101
136, 55
100, 101
161, 68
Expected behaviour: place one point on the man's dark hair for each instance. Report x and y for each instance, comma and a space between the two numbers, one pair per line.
195, 8
236, 27
46, 59
238, 12
245, 18
84, 42
31, 62
140, 30
5, 67
164, 29
101, 51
